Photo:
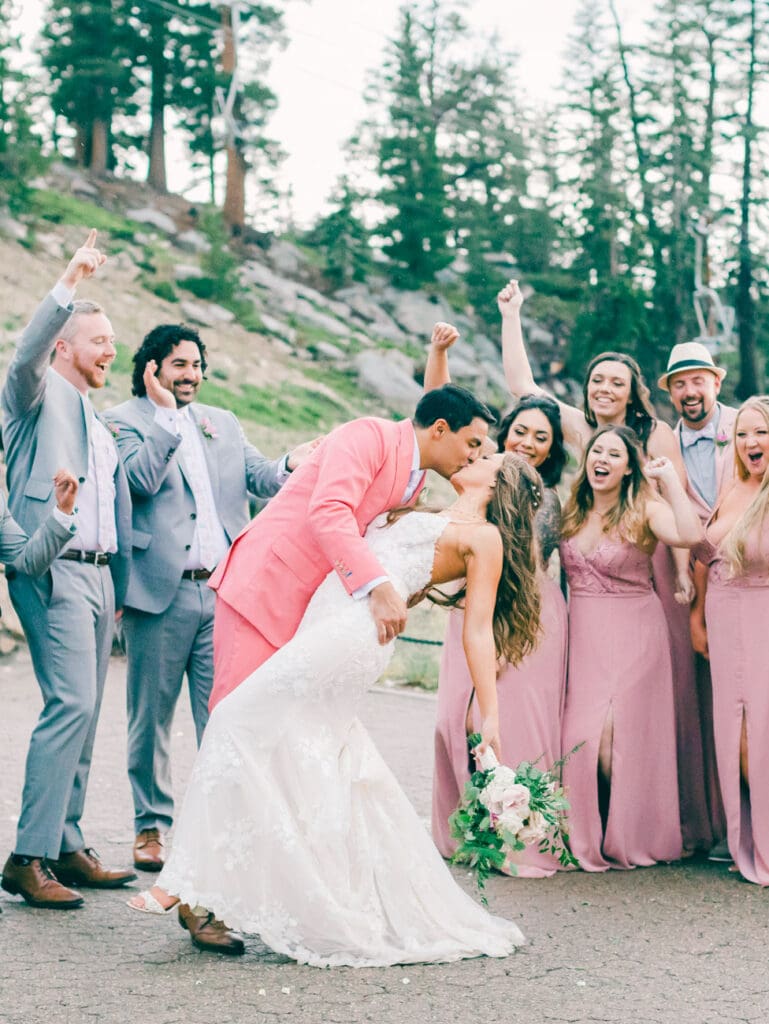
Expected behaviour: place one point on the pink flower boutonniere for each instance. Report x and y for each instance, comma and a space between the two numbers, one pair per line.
113, 428
207, 428
722, 439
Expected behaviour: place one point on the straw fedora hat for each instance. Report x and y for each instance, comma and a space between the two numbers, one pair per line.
689, 355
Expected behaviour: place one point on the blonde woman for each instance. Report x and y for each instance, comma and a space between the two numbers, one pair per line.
622, 783
729, 625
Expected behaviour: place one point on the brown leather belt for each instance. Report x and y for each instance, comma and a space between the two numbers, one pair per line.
196, 574
89, 557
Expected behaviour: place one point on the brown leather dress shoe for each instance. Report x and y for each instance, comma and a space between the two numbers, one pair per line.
32, 878
83, 867
210, 934
148, 850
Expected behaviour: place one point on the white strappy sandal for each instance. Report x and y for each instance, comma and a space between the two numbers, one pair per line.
151, 905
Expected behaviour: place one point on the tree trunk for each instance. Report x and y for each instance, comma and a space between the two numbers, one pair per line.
748, 383
82, 144
235, 193
99, 148
234, 211
642, 159
156, 175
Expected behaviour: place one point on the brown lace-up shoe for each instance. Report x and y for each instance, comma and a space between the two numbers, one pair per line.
32, 878
148, 850
83, 867
209, 934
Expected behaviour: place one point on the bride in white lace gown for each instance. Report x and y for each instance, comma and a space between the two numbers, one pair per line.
293, 827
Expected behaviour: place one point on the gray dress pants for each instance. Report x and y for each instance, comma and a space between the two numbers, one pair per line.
161, 649
69, 617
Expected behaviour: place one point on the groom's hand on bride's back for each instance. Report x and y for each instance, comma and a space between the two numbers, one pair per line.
389, 611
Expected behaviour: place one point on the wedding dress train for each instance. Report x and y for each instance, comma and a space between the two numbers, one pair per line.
295, 829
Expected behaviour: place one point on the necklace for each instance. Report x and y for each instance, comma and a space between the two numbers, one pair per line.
465, 517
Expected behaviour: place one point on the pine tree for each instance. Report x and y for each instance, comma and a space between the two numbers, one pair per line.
612, 310
754, 62
342, 239
414, 188
20, 153
88, 54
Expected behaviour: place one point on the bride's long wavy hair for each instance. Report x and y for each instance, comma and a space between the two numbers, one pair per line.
515, 497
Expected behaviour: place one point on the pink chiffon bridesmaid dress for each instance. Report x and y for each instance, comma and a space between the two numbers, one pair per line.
619, 667
737, 617
693, 787
530, 698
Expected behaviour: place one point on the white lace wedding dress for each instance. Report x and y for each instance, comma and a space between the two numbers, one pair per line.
294, 828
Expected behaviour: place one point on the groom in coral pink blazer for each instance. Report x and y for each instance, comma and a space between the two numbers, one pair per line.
317, 521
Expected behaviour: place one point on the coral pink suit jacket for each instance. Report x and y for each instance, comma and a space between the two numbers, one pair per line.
315, 524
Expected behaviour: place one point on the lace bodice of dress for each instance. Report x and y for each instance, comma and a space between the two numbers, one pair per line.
614, 567
756, 572
335, 649
406, 548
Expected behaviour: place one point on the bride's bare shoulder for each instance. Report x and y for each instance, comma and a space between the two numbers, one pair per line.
477, 538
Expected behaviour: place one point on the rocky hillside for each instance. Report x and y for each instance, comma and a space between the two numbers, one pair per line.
287, 357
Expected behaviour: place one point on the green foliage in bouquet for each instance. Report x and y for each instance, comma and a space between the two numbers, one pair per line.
485, 843
479, 845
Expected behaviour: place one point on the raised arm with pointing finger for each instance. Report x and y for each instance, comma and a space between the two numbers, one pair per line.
68, 613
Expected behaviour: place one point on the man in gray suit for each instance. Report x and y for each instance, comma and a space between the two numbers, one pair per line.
68, 615
190, 471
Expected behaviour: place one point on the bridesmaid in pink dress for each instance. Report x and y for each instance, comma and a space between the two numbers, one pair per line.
729, 625
614, 393
530, 695
622, 783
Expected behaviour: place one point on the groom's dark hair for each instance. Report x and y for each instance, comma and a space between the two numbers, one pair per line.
456, 405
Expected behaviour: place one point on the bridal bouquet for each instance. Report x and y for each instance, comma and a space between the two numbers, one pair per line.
503, 810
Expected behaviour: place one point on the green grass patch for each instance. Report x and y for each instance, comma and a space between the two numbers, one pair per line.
291, 407
163, 289
207, 288
123, 361
343, 383
201, 287
63, 209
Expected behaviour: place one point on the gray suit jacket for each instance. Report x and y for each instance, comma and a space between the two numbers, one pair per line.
46, 425
724, 455
30, 555
163, 505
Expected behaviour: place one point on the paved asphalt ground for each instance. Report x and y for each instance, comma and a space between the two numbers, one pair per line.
685, 944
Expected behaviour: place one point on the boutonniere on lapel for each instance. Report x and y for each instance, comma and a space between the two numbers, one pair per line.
207, 428
722, 439
113, 428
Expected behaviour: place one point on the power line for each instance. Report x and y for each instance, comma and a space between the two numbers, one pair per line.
183, 13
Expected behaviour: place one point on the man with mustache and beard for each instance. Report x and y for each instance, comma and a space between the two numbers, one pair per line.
704, 431
705, 434
190, 470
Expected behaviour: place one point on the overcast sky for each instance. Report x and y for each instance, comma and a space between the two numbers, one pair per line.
319, 78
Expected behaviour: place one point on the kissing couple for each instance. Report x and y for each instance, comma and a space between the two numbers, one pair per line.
293, 827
